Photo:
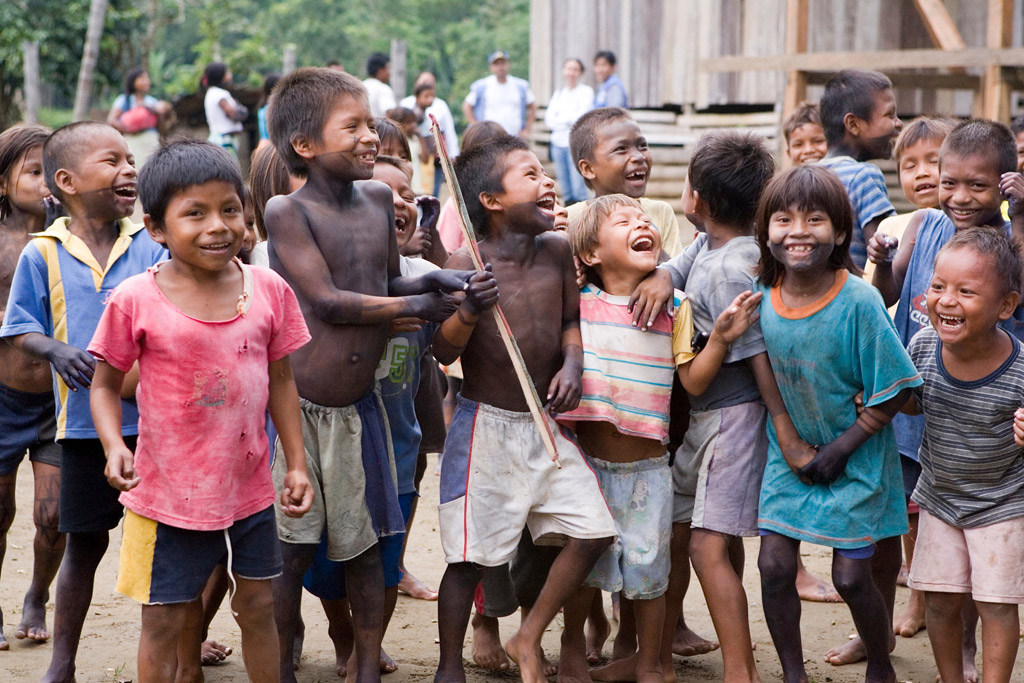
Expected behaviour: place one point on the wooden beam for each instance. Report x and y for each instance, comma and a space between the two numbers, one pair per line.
951, 81
796, 44
939, 24
998, 34
883, 60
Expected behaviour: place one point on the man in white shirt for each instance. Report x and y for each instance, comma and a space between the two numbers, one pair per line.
504, 99
381, 97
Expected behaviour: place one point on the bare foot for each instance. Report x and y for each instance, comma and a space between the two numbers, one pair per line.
297, 643
33, 620
530, 659
415, 588
852, 651
616, 670
4, 645
212, 652
550, 669
387, 664
598, 631
686, 643
911, 621
487, 650
901, 578
813, 589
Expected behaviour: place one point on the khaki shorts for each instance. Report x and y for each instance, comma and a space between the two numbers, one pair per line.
342, 446
984, 561
497, 478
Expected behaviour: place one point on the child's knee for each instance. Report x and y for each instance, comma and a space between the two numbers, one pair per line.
254, 605
943, 606
777, 569
997, 612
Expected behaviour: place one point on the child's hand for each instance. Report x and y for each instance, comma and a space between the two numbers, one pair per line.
452, 280
419, 243
561, 217
827, 465
798, 454
737, 319
431, 208
1012, 186
565, 390
581, 272
1018, 427
437, 306
650, 297
858, 402
120, 469
399, 325
882, 248
74, 366
483, 291
297, 494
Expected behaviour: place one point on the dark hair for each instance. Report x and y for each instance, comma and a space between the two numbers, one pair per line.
376, 62
269, 82
1017, 125
479, 132
481, 169
423, 87
729, 170
65, 148
401, 164
806, 113
300, 105
213, 75
402, 115
583, 69
994, 244
850, 91
809, 187
15, 142
923, 128
181, 164
981, 136
606, 55
129, 82
583, 135
392, 136
268, 177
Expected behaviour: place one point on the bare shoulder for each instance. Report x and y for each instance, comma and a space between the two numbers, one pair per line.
460, 260
282, 212
554, 244
373, 191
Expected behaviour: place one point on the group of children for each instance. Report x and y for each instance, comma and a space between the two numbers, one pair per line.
169, 353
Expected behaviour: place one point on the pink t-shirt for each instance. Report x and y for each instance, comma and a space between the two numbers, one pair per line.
449, 227
202, 454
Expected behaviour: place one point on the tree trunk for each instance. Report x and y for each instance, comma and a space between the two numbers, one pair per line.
32, 99
90, 54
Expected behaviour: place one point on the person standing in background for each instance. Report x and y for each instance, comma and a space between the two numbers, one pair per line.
378, 85
502, 98
425, 102
569, 102
611, 91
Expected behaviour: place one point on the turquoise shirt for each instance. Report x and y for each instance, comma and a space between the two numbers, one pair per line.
823, 355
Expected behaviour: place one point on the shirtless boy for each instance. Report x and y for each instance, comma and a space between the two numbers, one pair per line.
511, 482
333, 241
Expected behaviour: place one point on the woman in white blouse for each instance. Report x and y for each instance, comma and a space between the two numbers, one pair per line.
568, 104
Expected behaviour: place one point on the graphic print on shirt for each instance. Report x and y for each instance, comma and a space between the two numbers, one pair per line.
209, 390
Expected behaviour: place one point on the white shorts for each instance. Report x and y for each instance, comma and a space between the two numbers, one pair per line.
497, 478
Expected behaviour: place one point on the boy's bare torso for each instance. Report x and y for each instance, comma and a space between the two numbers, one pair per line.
533, 298
17, 370
336, 368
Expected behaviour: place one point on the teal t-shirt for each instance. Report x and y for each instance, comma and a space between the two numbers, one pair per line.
823, 355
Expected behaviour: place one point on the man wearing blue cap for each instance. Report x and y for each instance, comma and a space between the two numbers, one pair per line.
504, 99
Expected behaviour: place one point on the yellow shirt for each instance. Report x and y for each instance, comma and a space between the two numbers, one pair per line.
893, 226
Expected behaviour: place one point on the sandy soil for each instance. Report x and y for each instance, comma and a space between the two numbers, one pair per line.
111, 632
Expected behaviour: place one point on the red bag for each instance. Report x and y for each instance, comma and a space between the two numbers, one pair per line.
138, 119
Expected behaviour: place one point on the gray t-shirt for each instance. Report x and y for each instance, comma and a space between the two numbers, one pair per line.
972, 470
715, 278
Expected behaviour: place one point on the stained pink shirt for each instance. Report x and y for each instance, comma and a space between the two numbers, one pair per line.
202, 456
449, 227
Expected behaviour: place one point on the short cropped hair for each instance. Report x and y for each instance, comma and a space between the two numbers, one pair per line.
181, 164
1017, 125
376, 62
65, 148
583, 135
401, 164
300, 105
850, 91
481, 169
584, 230
922, 128
981, 136
214, 75
606, 55
268, 177
809, 187
994, 244
728, 170
423, 87
391, 137
806, 113
15, 142
479, 132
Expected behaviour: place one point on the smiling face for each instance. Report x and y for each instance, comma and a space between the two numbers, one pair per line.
621, 161
104, 180
403, 197
349, 143
528, 194
878, 133
628, 245
919, 173
966, 299
203, 226
969, 190
24, 185
1019, 138
802, 240
571, 73
806, 144
602, 69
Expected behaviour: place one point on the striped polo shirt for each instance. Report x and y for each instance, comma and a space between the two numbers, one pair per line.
972, 471
869, 199
60, 290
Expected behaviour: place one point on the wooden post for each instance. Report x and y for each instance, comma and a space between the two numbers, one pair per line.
796, 43
398, 69
999, 33
288, 61
30, 49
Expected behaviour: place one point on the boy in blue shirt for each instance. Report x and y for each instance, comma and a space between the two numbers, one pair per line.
57, 297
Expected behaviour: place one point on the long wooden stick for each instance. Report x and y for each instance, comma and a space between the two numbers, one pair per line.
525, 382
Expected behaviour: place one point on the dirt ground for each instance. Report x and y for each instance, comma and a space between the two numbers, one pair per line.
110, 637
